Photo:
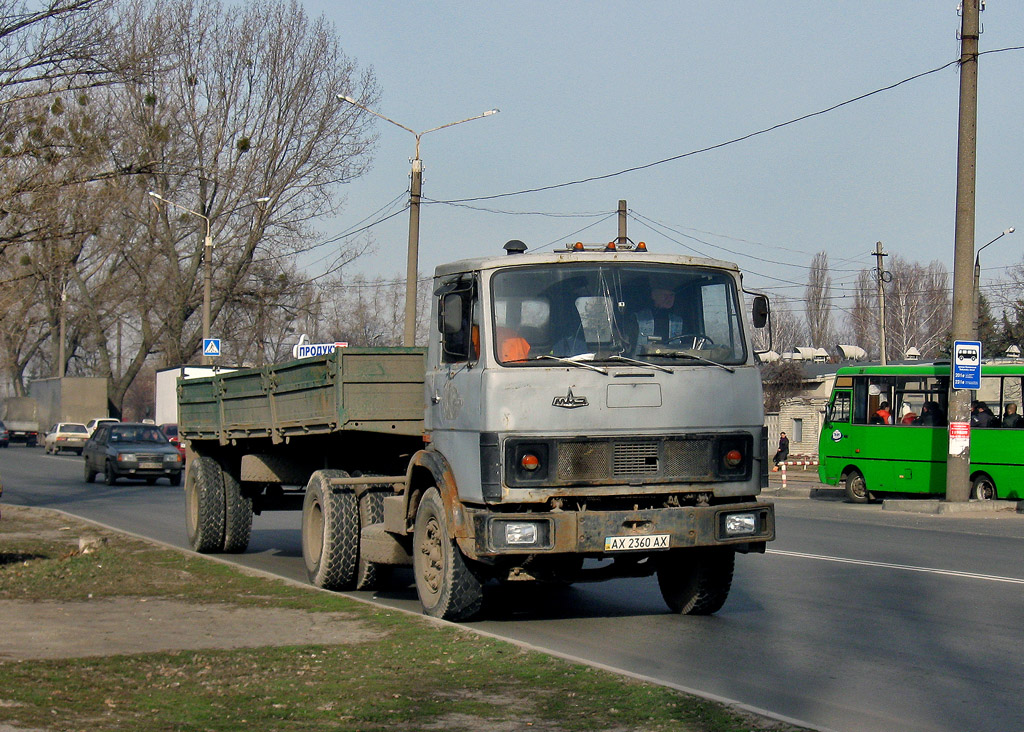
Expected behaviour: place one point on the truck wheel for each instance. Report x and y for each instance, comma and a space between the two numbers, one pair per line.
237, 514
371, 575
856, 488
330, 532
446, 586
696, 581
204, 505
109, 476
90, 474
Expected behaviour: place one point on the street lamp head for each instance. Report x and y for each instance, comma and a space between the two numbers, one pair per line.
1009, 231
489, 112
343, 98
263, 199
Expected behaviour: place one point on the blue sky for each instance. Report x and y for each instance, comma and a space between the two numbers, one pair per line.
591, 88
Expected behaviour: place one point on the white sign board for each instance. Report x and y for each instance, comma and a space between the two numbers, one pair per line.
305, 350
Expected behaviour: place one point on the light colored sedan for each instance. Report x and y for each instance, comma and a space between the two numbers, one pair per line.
65, 436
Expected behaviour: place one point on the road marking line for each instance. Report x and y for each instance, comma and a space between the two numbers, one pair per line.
906, 567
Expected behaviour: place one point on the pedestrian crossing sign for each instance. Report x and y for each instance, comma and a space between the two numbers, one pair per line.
211, 346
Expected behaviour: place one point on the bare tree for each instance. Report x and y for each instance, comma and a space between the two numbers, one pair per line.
818, 303
918, 308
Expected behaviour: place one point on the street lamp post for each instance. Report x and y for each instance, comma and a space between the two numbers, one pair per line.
977, 283
207, 269
415, 189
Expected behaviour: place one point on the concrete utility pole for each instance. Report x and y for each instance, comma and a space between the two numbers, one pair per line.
958, 464
879, 255
621, 240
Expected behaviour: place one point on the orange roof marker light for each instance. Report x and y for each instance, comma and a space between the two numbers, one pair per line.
578, 246
641, 247
610, 247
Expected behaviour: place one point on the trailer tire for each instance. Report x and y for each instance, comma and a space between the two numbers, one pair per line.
330, 532
237, 514
371, 575
204, 505
446, 585
696, 581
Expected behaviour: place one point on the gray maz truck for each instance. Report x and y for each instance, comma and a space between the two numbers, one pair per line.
577, 415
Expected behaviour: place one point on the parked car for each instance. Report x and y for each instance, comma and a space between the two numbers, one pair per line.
5, 436
131, 450
65, 436
92, 424
171, 430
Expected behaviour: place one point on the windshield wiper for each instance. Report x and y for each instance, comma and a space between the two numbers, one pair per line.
575, 361
708, 361
627, 359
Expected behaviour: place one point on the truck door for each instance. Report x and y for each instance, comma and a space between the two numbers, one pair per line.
455, 381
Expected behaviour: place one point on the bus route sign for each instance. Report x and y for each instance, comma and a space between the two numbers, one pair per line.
967, 364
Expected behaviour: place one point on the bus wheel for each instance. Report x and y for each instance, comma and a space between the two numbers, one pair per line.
983, 489
856, 488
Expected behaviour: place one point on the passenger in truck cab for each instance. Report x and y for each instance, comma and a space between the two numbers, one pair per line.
511, 346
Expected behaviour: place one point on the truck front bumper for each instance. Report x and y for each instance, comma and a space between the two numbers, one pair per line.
600, 533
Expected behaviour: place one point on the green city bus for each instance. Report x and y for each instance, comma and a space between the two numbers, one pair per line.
903, 449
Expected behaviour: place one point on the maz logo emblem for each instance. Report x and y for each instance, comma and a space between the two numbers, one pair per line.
570, 401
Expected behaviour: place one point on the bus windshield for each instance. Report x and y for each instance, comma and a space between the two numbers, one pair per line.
607, 311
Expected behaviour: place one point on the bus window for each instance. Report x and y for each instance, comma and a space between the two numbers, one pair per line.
839, 410
1011, 395
860, 401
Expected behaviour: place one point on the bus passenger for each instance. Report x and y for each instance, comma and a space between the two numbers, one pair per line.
931, 415
1011, 418
981, 415
883, 415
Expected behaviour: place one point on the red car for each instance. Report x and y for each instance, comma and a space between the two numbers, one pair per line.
171, 430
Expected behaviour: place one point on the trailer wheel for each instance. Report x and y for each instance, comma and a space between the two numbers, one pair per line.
371, 575
237, 514
330, 532
446, 585
696, 581
204, 505
856, 488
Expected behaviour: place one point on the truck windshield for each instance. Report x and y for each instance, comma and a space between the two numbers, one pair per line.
658, 313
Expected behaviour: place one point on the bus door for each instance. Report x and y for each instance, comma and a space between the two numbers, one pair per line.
835, 444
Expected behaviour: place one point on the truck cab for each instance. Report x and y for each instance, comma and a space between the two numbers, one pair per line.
596, 404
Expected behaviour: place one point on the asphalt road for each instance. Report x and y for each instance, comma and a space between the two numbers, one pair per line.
856, 619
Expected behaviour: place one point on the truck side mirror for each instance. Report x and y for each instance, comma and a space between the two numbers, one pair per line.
451, 314
455, 327
760, 311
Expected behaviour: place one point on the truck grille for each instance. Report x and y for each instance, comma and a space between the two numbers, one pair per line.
671, 459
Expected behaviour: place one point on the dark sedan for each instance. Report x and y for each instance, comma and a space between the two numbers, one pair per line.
131, 450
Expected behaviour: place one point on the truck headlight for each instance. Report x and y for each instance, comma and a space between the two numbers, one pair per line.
740, 524
520, 533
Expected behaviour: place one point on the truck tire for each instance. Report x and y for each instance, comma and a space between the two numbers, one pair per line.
237, 514
696, 581
371, 575
446, 585
330, 532
204, 505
